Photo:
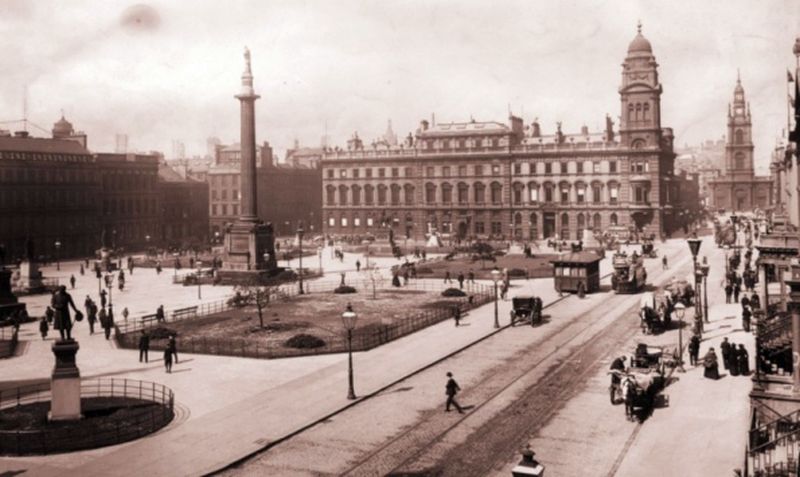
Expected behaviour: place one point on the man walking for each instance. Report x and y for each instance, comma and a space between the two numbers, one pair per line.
725, 348
358, 265
694, 349
471, 276
91, 316
664, 265
72, 281
173, 347
144, 346
457, 314
460, 280
447, 278
451, 389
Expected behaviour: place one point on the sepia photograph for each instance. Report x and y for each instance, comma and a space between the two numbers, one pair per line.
400, 238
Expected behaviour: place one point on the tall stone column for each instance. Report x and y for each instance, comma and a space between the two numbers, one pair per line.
247, 98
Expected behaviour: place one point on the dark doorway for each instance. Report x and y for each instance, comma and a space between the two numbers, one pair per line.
549, 224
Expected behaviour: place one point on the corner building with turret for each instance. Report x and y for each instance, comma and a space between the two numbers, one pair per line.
493, 180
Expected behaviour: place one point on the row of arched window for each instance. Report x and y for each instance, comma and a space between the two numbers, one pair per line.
478, 193
638, 112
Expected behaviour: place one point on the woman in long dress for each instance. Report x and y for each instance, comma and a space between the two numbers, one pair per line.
711, 365
744, 361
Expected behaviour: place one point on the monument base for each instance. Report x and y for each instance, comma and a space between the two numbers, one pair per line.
249, 246
30, 277
8, 301
65, 383
65, 404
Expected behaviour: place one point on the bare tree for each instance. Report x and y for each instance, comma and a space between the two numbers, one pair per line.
372, 277
257, 295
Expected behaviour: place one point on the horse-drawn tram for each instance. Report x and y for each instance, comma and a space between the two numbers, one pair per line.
577, 272
630, 275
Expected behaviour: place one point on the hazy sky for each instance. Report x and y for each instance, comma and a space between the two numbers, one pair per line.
355, 64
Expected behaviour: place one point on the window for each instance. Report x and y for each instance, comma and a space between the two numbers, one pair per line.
612, 167
331, 222
462, 171
235, 194
461, 143
369, 194
596, 167
342, 195
235, 209
478, 171
224, 194
330, 173
446, 144
548, 167
343, 173
344, 222
533, 192
408, 172
564, 194
565, 226
613, 219
639, 166
517, 194
640, 195
739, 136
564, 168
495, 169
580, 194
613, 194
517, 168
579, 167
533, 232
597, 192
409, 194
429, 172
356, 221
214, 209
497, 193
355, 173
463, 193
479, 143
447, 194
548, 193
214, 194
495, 142
368, 172
596, 222
479, 229
395, 194
446, 171
497, 228
738, 161
430, 193
395, 172
369, 221
381, 172
480, 193
224, 209
381, 194
356, 195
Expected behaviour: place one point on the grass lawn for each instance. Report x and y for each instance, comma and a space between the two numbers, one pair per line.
318, 314
537, 267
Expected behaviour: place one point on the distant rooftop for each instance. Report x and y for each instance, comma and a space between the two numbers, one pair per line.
467, 128
42, 145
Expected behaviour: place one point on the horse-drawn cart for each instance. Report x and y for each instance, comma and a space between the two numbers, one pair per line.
526, 308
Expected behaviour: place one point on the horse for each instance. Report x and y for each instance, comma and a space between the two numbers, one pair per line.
639, 396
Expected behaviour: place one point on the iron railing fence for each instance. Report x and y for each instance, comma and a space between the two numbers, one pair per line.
150, 408
363, 339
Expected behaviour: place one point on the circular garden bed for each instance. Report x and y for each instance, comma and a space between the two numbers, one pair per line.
114, 411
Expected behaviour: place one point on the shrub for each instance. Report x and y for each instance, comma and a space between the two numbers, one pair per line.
516, 272
162, 333
342, 289
304, 341
453, 292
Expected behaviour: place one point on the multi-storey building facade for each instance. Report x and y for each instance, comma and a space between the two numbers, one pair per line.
287, 193
57, 191
184, 209
492, 180
740, 189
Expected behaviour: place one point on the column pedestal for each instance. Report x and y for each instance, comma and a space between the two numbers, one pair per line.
65, 383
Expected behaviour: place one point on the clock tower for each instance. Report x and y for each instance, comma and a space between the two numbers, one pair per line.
739, 146
640, 94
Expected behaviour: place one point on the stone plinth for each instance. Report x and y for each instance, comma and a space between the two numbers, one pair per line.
246, 245
65, 383
8, 301
30, 278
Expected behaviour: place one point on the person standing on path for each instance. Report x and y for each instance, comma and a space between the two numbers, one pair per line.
664, 265
173, 346
451, 389
160, 313
744, 361
72, 281
43, 327
457, 314
91, 316
168, 359
82, 270
746, 314
125, 313
694, 349
728, 291
737, 289
103, 300
447, 278
358, 265
725, 348
733, 360
144, 346
471, 276
460, 280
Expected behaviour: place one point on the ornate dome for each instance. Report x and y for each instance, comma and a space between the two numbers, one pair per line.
640, 43
62, 126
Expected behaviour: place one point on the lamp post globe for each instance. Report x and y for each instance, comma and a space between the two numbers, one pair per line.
496, 278
58, 254
349, 318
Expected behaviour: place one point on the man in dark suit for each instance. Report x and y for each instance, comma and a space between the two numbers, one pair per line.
451, 389
144, 346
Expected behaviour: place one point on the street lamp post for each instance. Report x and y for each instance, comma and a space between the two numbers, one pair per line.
694, 247
300, 232
177, 262
349, 318
199, 271
319, 252
704, 268
680, 309
58, 255
495, 279
109, 286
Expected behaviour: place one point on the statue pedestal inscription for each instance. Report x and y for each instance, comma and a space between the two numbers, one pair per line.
65, 383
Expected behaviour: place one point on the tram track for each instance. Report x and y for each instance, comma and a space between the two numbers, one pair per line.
419, 449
